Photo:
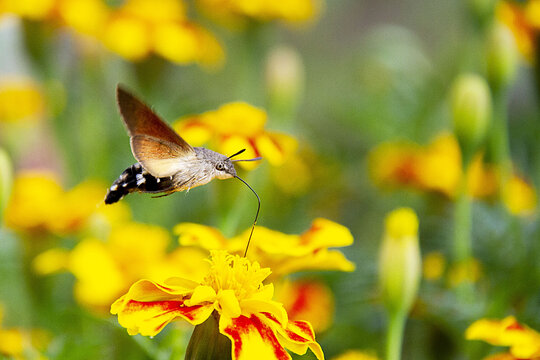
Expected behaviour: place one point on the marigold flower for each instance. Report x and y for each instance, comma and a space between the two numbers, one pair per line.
234, 126
523, 341
18, 343
522, 21
232, 290
140, 27
105, 269
519, 197
20, 100
283, 253
237, 11
356, 355
433, 265
39, 204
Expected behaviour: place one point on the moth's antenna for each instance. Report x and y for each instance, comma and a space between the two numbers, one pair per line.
254, 159
256, 215
236, 154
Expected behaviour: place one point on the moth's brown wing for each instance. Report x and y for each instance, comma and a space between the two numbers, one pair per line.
159, 157
153, 143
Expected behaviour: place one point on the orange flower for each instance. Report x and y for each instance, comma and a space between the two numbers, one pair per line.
232, 293
523, 22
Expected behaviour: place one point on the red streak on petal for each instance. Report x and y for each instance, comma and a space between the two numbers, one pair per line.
301, 301
243, 325
164, 306
515, 326
254, 146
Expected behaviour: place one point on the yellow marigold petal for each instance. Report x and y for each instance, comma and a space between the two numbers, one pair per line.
237, 118
519, 197
230, 307
193, 131
201, 294
51, 261
32, 9
252, 339
33, 200
275, 147
11, 342
155, 11
234, 143
191, 234
326, 233
321, 260
128, 37
148, 307
176, 42
356, 355
96, 286
481, 179
84, 16
276, 309
490, 331
20, 100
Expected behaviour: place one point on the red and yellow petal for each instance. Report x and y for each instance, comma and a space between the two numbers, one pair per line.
148, 307
252, 338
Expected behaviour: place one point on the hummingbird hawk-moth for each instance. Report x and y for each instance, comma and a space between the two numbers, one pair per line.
166, 163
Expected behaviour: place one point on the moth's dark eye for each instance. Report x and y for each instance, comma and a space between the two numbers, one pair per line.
220, 166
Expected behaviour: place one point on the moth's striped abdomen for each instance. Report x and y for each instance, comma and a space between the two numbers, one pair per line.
136, 178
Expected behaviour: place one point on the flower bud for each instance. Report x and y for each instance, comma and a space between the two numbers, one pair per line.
284, 78
399, 261
207, 343
501, 57
6, 180
471, 112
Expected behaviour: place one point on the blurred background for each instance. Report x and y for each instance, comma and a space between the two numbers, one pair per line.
355, 107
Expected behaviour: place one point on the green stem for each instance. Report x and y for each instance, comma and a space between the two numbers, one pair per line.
394, 335
500, 146
462, 223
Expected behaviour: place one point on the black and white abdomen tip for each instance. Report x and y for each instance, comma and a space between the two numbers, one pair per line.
135, 178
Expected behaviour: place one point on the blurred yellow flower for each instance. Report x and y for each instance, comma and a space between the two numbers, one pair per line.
140, 27
356, 355
283, 253
105, 269
86, 17
519, 197
523, 21
231, 301
38, 204
21, 344
524, 342
433, 265
468, 271
297, 296
31, 9
436, 167
235, 126
20, 100
236, 12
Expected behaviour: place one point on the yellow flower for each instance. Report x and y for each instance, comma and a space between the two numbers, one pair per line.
87, 17
140, 27
433, 265
394, 164
523, 341
20, 100
39, 204
467, 271
519, 197
236, 12
31, 9
18, 343
356, 355
236, 126
283, 253
105, 269
522, 21
296, 295
232, 293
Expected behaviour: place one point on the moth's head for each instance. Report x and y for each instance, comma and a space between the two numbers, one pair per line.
224, 169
